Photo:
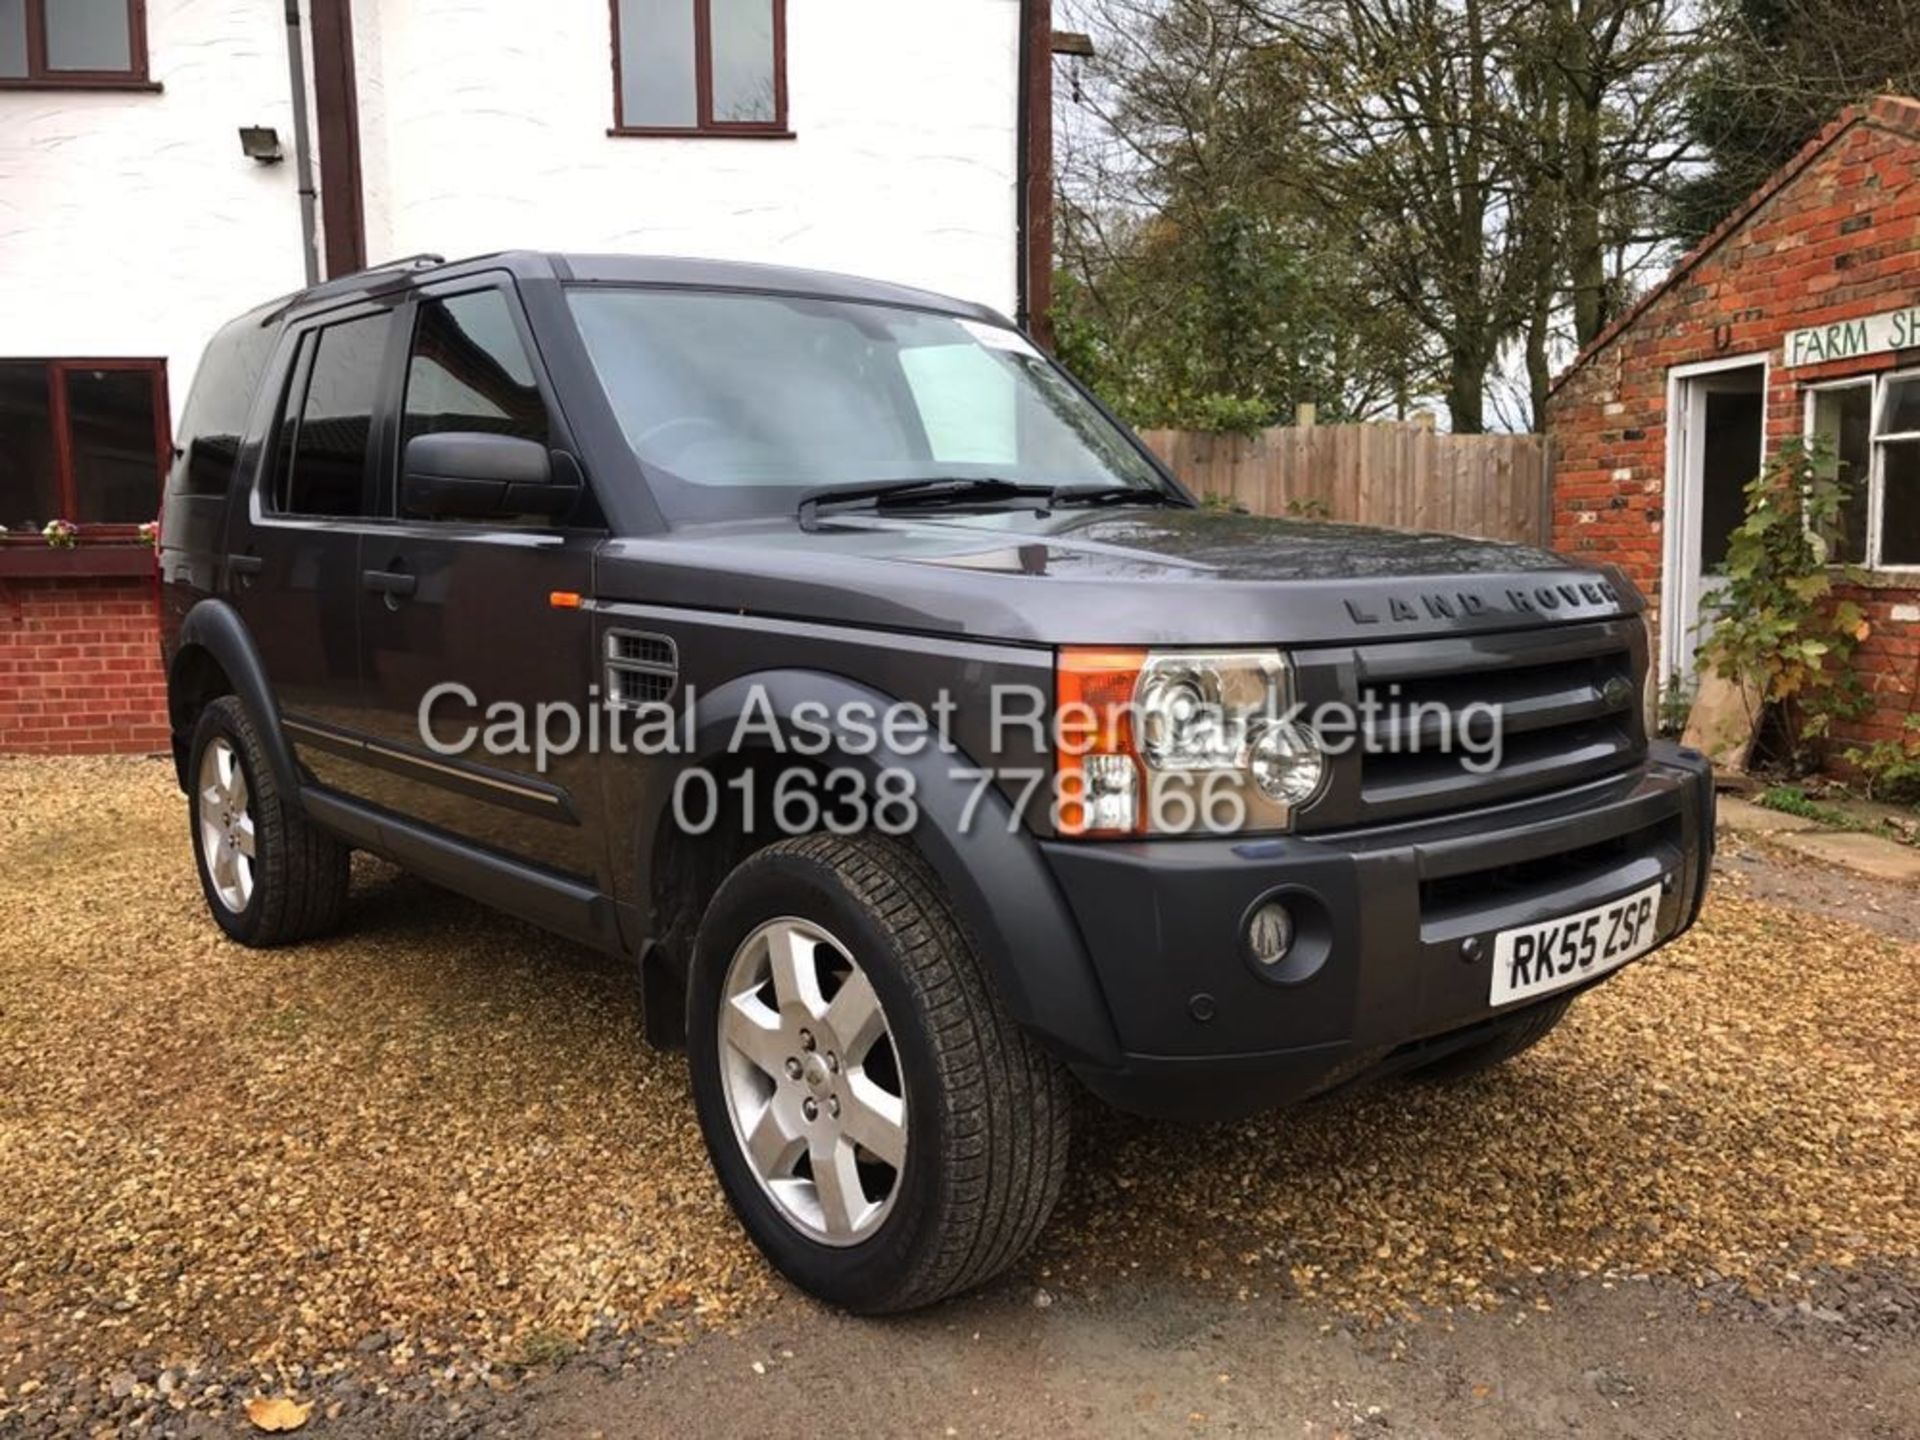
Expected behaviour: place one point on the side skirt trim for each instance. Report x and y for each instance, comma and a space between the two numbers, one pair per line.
546, 898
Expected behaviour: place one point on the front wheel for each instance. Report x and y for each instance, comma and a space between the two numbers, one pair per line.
886, 1132
1521, 1034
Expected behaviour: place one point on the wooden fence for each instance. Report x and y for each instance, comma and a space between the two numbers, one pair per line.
1404, 475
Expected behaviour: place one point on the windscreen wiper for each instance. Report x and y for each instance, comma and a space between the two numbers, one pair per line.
1116, 495
935, 490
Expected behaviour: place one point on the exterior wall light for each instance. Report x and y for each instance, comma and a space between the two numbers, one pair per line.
262, 143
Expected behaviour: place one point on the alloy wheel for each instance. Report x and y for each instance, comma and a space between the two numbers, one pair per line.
226, 825
812, 1081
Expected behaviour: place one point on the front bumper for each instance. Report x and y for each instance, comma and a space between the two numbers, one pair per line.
1396, 928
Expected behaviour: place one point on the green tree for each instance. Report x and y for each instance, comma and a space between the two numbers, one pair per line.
1197, 288
1229, 319
1778, 71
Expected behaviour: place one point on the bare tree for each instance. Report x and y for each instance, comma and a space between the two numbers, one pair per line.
1615, 143
1597, 145
1486, 175
1405, 105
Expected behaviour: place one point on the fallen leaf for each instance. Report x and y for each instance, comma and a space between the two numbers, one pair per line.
277, 1414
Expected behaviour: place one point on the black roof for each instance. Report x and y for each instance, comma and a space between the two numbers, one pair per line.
625, 270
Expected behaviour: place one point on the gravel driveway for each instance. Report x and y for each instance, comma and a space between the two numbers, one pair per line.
409, 1164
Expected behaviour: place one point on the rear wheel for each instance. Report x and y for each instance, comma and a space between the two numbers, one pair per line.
1522, 1033
887, 1134
269, 876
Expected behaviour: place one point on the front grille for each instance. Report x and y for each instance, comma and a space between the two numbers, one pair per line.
1472, 893
1567, 700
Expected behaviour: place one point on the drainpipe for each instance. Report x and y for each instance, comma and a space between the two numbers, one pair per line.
302, 145
1033, 171
1023, 119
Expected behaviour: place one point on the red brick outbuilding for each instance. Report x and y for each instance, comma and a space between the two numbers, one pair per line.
1799, 313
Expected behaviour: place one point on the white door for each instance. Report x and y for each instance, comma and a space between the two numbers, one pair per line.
1719, 415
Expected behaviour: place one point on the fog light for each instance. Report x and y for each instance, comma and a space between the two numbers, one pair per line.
1286, 763
1270, 933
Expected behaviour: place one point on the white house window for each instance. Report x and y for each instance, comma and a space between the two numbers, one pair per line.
81, 440
699, 67
1874, 429
73, 44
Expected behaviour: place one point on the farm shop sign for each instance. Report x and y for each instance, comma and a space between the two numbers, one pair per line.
1844, 339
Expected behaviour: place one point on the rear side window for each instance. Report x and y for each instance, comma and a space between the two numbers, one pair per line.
469, 371
328, 423
217, 408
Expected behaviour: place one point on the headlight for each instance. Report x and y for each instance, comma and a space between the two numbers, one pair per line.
1191, 707
1180, 742
1286, 762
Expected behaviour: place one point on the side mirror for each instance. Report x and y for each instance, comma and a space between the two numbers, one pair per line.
472, 475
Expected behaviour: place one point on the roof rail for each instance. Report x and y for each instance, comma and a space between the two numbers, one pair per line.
365, 278
421, 261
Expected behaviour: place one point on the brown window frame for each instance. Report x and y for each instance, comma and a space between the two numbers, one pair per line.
704, 124
40, 76
61, 424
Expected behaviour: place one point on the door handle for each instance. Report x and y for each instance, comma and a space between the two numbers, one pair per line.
244, 567
392, 583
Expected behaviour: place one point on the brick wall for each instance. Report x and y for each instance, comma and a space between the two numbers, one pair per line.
80, 667
1834, 236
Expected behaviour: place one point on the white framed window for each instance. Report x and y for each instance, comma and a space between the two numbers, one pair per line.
74, 45
1873, 423
1893, 529
82, 440
1842, 411
699, 67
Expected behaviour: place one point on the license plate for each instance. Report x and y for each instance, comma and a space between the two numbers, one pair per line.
1538, 959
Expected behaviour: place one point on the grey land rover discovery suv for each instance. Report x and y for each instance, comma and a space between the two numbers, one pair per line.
824, 649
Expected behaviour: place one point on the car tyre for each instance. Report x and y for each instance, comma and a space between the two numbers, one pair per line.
830, 971
1525, 1031
270, 877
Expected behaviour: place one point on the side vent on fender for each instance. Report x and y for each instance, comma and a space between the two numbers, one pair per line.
642, 668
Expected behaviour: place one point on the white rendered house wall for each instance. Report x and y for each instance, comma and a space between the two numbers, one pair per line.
130, 222
132, 225
483, 129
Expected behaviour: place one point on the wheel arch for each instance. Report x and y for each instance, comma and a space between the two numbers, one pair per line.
214, 656
993, 872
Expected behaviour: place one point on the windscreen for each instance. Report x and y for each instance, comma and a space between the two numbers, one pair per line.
739, 404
